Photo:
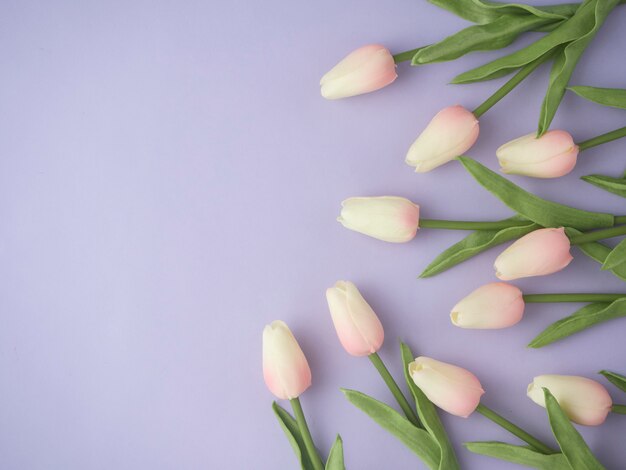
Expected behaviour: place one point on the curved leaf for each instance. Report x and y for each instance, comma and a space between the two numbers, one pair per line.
335, 458
615, 97
482, 12
429, 416
616, 257
616, 379
612, 185
580, 320
568, 57
474, 244
291, 430
571, 442
416, 439
599, 252
543, 212
519, 454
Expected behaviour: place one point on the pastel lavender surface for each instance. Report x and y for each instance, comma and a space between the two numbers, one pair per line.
169, 183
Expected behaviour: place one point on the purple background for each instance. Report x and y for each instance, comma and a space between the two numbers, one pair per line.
169, 183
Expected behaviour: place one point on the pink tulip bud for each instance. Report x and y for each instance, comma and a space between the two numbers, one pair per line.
583, 400
388, 218
451, 388
358, 327
541, 252
492, 306
549, 156
449, 134
366, 69
285, 369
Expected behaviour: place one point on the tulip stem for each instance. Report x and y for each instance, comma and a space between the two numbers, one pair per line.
406, 55
598, 235
619, 409
602, 139
505, 89
306, 434
550, 298
470, 224
395, 390
513, 429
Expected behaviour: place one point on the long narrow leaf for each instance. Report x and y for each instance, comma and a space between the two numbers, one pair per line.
582, 319
474, 244
543, 212
615, 97
571, 442
482, 12
335, 458
612, 185
429, 416
616, 257
599, 252
418, 440
291, 430
616, 379
519, 454
566, 60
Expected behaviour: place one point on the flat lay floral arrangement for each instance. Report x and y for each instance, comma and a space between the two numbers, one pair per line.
541, 236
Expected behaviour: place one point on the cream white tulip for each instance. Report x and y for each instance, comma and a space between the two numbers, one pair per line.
358, 328
494, 305
285, 368
585, 401
388, 218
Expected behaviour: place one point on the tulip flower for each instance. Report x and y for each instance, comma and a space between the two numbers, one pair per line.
541, 252
285, 368
388, 218
366, 69
492, 306
451, 388
359, 329
585, 401
449, 134
549, 156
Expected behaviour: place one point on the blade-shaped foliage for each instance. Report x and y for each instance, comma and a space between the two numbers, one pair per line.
612, 185
291, 430
616, 379
599, 252
614, 97
522, 455
616, 257
481, 12
335, 458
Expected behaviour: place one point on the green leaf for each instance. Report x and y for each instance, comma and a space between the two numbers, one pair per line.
572, 444
580, 320
612, 185
519, 454
428, 415
599, 252
476, 243
416, 439
335, 458
481, 12
543, 212
574, 28
291, 430
495, 35
616, 379
615, 97
568, 57
616, 257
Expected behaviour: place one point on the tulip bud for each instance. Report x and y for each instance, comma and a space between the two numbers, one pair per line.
541, 252
549, 156
285, 369
583, 400
451, 388
358, 327
449, 134
366, 69
492, 306
388, 218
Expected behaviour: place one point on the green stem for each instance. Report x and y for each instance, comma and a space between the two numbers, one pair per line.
306, 434
395, 390
602, 139
505, 89
406, 55
620, 219
470, 224
550, 298
513, 429
598, 235
619, 409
